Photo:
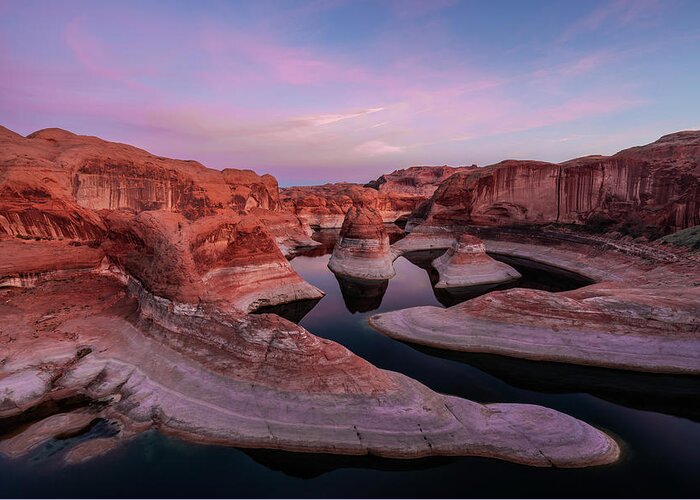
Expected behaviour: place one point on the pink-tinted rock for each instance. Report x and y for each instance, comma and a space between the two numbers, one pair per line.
466, 264
642, 315
655, 186
363, 250
290, 232
394, 195
229, 260
258, 381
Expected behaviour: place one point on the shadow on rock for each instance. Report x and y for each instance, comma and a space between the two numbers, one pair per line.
293, 311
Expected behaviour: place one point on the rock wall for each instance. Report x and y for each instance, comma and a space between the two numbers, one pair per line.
657, 185
53, 181
229, 260
394, 195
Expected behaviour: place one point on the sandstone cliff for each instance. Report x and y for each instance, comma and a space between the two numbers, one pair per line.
654, 186
394, 195
53, 181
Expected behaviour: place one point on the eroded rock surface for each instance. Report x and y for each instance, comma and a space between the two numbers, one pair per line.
394, 195
255, 381
653, 187
230, 261
53, 181
126, 283
466, 264
363, 250
290, 232
642, 315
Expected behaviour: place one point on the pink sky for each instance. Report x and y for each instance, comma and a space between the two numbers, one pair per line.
330, 90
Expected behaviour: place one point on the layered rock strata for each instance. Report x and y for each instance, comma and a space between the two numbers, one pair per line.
641, 316
290, 232
362, 250
466, 264
394, 195
52, 183
250, 381
230, 261
646, 189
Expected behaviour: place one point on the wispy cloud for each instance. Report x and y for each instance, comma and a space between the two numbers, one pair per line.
376, 147
335, 83
615, 12
334, 118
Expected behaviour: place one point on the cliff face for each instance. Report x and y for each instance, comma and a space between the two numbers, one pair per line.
415, 182
184, 232
229, 260
325, 206
52, 181
655, 185
393, 195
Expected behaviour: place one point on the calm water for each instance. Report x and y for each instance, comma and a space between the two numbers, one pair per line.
655, 417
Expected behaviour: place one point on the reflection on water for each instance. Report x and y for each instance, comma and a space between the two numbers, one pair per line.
367, 295
533, 275
310, 465
362, 295
662, 450
672, 394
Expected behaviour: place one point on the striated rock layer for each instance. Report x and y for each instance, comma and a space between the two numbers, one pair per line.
642, 315
52, 181
185, 231
126, 283
290, 232
250, 381
653, 188
466, 264
394, 195
230, 261
362, 250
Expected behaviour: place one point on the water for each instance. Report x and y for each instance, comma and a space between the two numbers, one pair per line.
656, 418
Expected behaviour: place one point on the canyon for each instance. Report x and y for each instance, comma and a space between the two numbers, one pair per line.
394, 195
654, 188
128, 283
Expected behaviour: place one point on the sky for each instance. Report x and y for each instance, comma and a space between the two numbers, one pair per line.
332, 90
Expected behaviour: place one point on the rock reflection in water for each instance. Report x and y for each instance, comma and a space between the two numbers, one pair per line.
362, 295
310, 465
534, 276
676, 395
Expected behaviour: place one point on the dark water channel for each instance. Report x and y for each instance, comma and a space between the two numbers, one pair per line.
655, 417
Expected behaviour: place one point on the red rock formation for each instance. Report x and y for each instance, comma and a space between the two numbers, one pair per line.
642, 315
325, 206
250, 381
144, 310
52, 181
466, 264
290, 232
229, 260
363, 250
415, 182
393, 195
657, 185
